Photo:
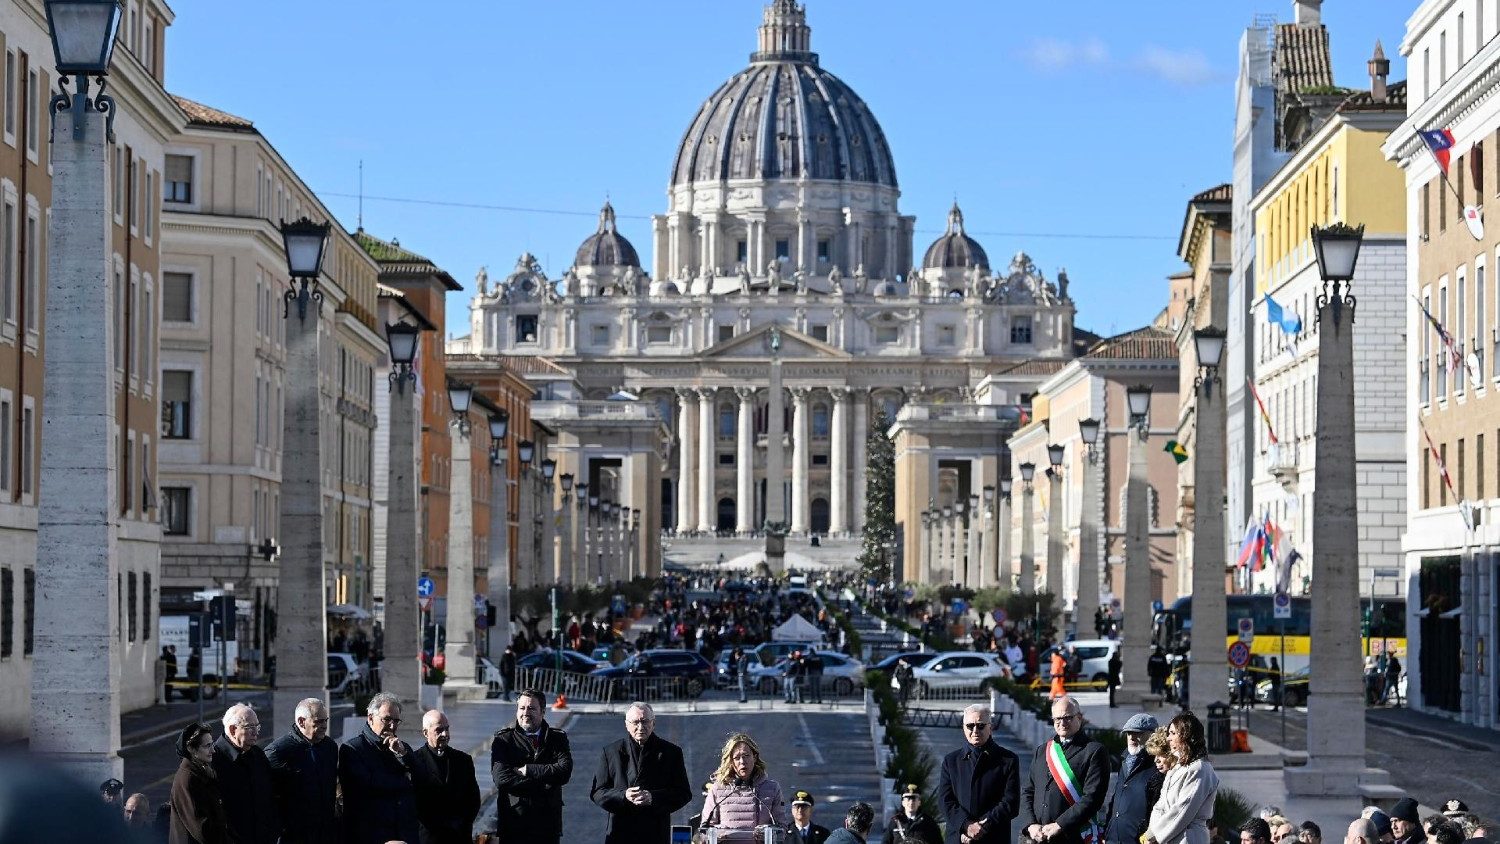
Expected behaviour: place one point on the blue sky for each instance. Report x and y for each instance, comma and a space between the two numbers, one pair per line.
1073, 131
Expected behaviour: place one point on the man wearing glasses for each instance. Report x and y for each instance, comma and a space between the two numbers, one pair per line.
245, 779
640, 782
305, 772
980, 784
1068, 781
374, 774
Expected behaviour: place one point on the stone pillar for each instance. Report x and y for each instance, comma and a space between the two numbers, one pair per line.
585, 541
918, 573
1004, 577
1335, 741
745, 462
1088, 543
687, 453
301, 619
972, 564
499, 558
567, 560
838, 523
1207, 678
932, 556
1027, 581
800, 435
1055, 538
943, 569
1135, 646
985, 569
707, 459
460, 617
775, 448
400, 673
526, 529
75, 683
861, 400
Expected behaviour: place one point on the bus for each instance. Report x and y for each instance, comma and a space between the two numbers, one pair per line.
1172, 628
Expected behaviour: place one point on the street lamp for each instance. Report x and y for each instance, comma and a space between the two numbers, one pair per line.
1135, 646
83, 40
498, 580
1088, 524
499, 425
1209, 344
549, 470
401, 343
1138, 401
1006, 484
1028, 471
567, 484
1055, 455
524, 450
305, 243
460, 396
1088, 431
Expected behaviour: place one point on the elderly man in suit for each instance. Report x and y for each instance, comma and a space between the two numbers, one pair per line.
531, 762
374, 774
980, 784
1068, 781
447, 790
641, 781
245, 778
305, 772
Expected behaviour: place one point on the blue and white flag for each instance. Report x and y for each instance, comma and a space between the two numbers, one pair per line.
1276, 315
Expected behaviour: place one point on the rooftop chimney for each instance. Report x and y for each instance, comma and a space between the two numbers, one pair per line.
1308, 12
1380, 68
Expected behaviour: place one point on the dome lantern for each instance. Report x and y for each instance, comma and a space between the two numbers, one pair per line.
955, 248
784, 34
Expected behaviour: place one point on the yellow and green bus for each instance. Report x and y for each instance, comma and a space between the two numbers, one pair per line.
1383, 627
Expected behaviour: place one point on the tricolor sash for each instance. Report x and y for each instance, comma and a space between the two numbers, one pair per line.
1067, 783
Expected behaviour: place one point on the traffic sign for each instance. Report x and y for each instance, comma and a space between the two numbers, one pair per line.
999, 615
424, 604
1239, 654
1282, 605
425, 587
1247, 630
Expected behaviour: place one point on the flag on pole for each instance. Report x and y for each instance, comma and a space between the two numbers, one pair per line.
1440, 143
1263, 414
1284, 574
1442, 468
1291, 323
1177, 450
1247, 545
1456, 359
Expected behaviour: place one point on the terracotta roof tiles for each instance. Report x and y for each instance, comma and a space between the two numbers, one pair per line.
202, 115
1302, 58
1149, 343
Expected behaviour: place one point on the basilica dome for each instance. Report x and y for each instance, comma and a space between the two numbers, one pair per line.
955, 248
607, 247
784, 117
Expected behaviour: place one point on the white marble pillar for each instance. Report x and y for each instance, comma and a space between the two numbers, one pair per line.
931, 554
525, 528
400, 673
943, 569
708, 510
567, 559
745, 462
1005, 578
459, 650
1206, 682
1027, 583
800, 436
984, 574
861, 401
972, 565
687, 454
1135, 645
838, 463
75, 678
775, 448
1089, 515
585, 548
1055, 538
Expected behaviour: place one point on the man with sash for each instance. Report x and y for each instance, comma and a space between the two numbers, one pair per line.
1068, 782
980, 784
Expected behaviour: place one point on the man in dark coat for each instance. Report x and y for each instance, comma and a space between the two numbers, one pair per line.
530, 762
1136, 788
305, 775
911, 825
380, 804
447, 791
980, 784
1046, 813
641, 781
803, 830
245, 779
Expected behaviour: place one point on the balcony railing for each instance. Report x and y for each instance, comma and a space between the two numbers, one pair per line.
1281, 460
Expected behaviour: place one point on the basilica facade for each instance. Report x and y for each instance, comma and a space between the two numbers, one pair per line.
784, 212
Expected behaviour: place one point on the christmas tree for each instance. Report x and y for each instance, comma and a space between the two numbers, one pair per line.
878, 548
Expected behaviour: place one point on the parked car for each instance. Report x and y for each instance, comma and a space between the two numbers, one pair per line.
347, 677
571, 661
912, 658
841, 674
1295, 693
1095, 654
770, 653
602, 653
958, 670
696, 671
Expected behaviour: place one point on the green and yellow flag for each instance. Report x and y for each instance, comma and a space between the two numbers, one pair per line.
1177, 450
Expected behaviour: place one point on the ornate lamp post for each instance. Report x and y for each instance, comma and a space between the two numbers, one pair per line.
499, 545
1003, 571
585, 570
548, 569
924, 546
1207, 676
1055, 456
1028, 532
526, 561
1136, 645
596, 536
462, 679
634, 545
988, 527
1087, 602
1335, 741
567, 562
400, 671
945, 546
75, 687
972, 563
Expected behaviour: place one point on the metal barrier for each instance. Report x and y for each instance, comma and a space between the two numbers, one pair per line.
588, 688
954, 718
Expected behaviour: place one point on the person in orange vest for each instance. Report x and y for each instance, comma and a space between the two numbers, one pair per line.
1059, 674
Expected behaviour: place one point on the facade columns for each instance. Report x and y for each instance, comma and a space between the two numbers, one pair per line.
801, 432
707, 460
838, 524
687, 455
745, 462
861, 399
460, 616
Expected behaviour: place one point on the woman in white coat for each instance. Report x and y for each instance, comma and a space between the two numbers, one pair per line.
1181, 814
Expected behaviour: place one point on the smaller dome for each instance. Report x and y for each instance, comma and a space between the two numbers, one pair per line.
607, 247
954, 248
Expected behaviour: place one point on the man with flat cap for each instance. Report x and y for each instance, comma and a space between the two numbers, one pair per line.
1406, 823
803, 830
1137, 786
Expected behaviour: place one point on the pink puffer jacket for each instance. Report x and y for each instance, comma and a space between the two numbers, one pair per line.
745, 807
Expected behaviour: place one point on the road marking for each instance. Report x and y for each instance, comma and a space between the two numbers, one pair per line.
807, 740
1425, 738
